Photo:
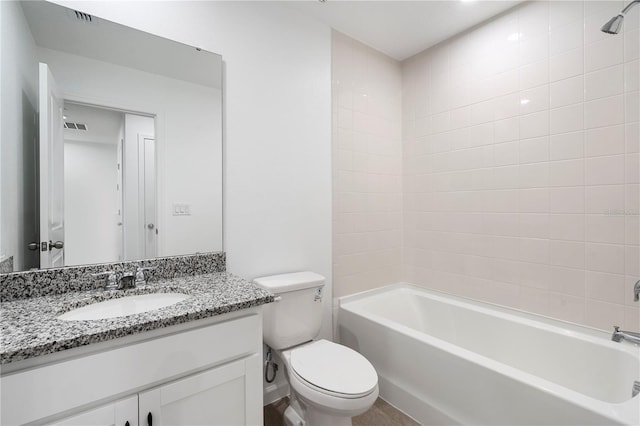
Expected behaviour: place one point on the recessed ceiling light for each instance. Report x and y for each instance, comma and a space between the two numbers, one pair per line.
524, 101
514, 37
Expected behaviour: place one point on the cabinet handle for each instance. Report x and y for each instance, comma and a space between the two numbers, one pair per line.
149, 419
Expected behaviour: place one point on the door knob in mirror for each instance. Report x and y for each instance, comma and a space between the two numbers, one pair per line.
58, 245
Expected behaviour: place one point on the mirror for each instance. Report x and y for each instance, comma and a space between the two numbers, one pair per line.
124, 160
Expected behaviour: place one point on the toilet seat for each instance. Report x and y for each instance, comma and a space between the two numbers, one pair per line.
333, 369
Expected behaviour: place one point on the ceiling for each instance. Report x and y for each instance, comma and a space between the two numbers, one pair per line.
59, 28
103, 125
401, 29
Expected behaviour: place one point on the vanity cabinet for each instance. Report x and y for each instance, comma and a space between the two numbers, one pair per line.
205, 372
119, 413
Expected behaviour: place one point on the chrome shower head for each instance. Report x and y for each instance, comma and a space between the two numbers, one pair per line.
614, 25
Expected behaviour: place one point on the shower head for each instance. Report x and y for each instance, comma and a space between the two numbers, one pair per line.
614, 25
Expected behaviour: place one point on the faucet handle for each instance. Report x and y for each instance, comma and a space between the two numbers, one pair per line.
140, 278
616, 328
111, 279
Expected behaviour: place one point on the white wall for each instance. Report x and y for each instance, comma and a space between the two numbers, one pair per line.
277, 182
184, 113
19, 81
90, 204
277, 124
521, 164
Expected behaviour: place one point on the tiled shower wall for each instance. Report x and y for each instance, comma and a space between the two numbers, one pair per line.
367, 167
521, 163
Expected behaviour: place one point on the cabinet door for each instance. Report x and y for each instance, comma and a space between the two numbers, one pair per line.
119, 413
225, 395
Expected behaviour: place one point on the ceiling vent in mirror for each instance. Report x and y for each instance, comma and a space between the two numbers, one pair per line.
75, 126
82, 17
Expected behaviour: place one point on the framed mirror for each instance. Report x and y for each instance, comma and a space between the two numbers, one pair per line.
121, 150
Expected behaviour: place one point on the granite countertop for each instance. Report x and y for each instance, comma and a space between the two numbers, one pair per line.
30, 327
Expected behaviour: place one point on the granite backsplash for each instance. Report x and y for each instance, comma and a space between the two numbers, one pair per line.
47, 282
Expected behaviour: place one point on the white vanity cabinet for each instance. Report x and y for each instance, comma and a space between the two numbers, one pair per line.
119, 413
204, 372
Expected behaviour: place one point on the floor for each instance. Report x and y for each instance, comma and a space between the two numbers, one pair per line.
381, 414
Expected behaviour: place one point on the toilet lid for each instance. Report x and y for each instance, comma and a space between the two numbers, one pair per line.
334, 368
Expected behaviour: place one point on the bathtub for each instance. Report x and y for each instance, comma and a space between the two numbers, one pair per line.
448, 360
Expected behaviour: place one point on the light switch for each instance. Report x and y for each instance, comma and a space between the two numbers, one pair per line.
181, 209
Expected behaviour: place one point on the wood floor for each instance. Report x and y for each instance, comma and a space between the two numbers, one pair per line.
381, 414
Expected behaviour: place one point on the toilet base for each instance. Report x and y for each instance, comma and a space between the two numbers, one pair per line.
297, 415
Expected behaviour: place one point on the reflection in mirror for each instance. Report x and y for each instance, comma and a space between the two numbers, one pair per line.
109, 174
124, 160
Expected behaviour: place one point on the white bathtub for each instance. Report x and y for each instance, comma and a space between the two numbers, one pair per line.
447, 360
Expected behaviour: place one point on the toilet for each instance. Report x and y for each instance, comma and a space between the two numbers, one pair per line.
330, 383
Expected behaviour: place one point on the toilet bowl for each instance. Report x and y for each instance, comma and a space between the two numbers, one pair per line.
329, 383
332, 383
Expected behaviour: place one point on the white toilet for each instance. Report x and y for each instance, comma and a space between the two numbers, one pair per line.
330, 383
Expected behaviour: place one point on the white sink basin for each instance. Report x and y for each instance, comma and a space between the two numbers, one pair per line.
123, 306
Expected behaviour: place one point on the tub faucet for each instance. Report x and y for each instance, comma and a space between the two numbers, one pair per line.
619, 335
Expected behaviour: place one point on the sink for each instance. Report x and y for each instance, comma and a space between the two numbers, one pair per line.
123, 306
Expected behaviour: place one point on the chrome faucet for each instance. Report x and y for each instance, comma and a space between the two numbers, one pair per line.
636, 291
140, 277
619, 335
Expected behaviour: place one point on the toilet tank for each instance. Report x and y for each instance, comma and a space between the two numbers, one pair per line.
296, 315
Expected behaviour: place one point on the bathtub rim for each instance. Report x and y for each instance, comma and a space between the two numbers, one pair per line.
627, 412
508, 310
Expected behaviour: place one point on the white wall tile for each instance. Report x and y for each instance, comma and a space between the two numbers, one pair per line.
605, 82
566, 38
534, 125
534, 74
566, 200
604, 112
605, 287
566, 146
534, 225
567, 92
632, 106
566, 173
569, 227
566, 119
534, 49
534, 100
520, 202
632, 76
534, 150
562, 13
565, 65
603, 53
603, 199
568, 281
605, 258
631, 45
534, 200
605, 229
604, 141
567, 253
605, 170
506, 130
